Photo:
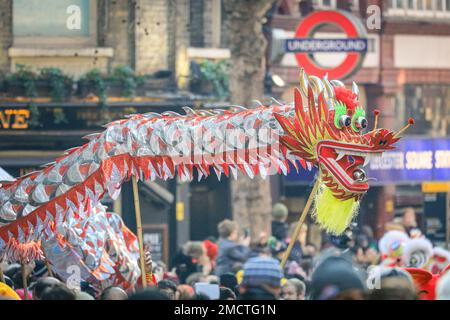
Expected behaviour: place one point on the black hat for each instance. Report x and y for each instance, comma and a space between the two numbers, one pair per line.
228, 280
333, 276
40, 269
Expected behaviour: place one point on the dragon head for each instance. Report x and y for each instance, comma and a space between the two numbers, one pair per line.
328, 130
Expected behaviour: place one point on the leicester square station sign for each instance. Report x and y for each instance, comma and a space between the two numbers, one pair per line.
304, 45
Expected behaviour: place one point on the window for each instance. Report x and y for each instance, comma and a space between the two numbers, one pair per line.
419, 8
396, 4
429, 105
396, 7
54, 22
325, 4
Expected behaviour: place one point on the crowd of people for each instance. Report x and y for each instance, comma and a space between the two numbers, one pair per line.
233, 267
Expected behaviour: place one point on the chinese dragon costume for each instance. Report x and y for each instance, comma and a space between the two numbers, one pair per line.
324, 127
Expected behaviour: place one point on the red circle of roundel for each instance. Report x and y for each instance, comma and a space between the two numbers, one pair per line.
307, 27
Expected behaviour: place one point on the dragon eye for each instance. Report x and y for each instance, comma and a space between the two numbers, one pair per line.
361, 123
344, 121
359, 120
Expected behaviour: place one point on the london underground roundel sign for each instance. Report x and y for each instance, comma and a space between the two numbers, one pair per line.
304, 45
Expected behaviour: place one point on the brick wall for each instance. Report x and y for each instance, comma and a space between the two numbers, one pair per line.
114, 30
198, 22
5, 33
152, 41
207, 23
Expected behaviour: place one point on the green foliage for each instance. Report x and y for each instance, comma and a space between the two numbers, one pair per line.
59, 82
218, 74
125, 76
98, 80
25, 77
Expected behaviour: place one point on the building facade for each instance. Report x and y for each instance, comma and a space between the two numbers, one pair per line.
122, 41
406, 73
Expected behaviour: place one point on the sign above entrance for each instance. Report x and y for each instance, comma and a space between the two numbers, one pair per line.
304, 45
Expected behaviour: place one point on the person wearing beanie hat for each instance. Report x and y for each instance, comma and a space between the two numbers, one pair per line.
40, 271
279, 225
335, 278
261, 280
7, 293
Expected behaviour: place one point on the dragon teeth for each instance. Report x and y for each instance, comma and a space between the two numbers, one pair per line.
340, 155
366, 161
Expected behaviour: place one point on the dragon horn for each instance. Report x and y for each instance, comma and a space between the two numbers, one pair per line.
337, 83
304, 82
317, 86
329, 90
355, 90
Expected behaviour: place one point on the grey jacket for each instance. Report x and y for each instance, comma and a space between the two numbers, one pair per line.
229, 254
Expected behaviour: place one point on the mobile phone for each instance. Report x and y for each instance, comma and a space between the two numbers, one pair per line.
208, 289
246, 232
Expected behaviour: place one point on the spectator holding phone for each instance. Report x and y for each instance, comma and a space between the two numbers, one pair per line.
230, 252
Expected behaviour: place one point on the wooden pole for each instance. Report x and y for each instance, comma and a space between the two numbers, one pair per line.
2, 277
24, 282
47, 263
299, 224
137, 209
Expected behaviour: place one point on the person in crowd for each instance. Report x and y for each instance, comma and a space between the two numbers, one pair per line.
230, 252
227, 294
279, 226
113, 293
368, 232
168, 287
211, 251
11, 270
297, 252
184, 292
81, 295
335, 279
195, 277
150, 277
213, 279
149, 293
190, 259
42, 284
391, 284
261, 279
310, 251
58, 292
198, 252
293, 289
294, 270
409, 222
40, 270
228, 280
200, 296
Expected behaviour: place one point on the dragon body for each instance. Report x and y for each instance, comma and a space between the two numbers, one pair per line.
324, 127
